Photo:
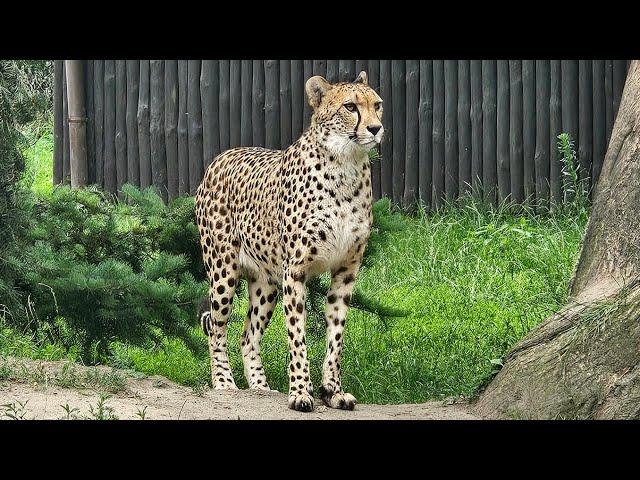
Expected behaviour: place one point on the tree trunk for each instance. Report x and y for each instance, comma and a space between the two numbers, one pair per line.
584, 361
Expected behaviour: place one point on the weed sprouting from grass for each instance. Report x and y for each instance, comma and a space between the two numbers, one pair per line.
102, 411
15, 410
142, 413
71, 413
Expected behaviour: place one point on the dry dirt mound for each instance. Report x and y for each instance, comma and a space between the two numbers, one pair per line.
58, 390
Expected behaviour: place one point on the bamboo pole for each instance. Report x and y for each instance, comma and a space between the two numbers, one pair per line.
489, 134
555, 125
58, 121
412, 79
529, 128
98, 94
246, 76
504, 176
235, 106
464, 127
133, 149
110, 126
516, 159
476, 126
211, 136
438, 133
398, 82
425, 125
272, 103
171, 126
194, 125
121, 123
285, 103
156, 111
543, 130
386, 148
257, 104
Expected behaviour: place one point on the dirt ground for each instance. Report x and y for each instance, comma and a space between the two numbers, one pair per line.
39, 395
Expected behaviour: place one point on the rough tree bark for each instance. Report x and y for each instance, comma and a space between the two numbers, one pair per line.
584, 361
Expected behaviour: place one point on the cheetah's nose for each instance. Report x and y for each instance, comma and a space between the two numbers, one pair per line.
374, 128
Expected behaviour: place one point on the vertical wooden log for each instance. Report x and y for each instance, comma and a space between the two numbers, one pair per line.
194, 125
246, 132
210, 106
608, 95
476, 126
333, 71
225, 105
133, 149
58, 121
66, 154
398, 82
347, 70
307, 111
555, 124
285, 103
74, 72
599, 119
516, 160
619, 75
171, 126
98, 101
529, 128
386, 148
411, 167
504, 176
144, 124
110, 181
90, 106
320, 67
209, 93
297, 98
464, 127
235, 96
585, 122
543, 130
257, 104
451, 129
156, 110
569, 106
438, 133
121, 123
425, 125
272, 103
374, 82
489, 134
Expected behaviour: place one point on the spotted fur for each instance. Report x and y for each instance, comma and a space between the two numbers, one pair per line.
280, 217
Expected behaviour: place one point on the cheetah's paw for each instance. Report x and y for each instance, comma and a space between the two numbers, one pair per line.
301, 401
341, 400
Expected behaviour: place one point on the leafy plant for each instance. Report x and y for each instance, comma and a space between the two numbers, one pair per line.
575, 182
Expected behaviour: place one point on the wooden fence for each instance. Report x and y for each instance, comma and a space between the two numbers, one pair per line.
488, 126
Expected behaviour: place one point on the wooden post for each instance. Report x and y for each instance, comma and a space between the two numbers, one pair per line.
333, 71
438, 133
529, 128
194, 125
608, 95
272, 103
225, 105
398, 82
297, 98
58, 119
320, 67
599, 119
464, 127
133, 158
451, 129
569, 107
98, 100
110, 126
476, 126
489, 135
209, 91
285, 103
209, 118
307, 111
585, 122
121, 123
66, 161
543, 130
156, 110
235, 106
386, 148
90, 110
425, 125
555, 124
410, 198
246, 132
257, 106
516, 160
347, 70
373, 67
171, 126
504, 176
144, 124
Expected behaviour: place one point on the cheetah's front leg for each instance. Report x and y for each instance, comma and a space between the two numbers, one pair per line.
293, 301
338, 298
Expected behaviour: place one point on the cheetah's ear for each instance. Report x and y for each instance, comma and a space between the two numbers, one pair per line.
316, 87
362, 78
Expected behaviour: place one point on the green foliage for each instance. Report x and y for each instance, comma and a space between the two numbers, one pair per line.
575, 188
98, 271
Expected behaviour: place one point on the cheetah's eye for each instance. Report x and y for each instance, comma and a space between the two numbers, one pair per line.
350, 106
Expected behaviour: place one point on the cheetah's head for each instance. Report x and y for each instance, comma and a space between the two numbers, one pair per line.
349, 114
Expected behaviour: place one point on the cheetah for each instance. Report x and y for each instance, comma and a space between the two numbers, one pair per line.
281, 217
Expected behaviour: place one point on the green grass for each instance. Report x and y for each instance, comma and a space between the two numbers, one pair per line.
474, 280
39, 162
